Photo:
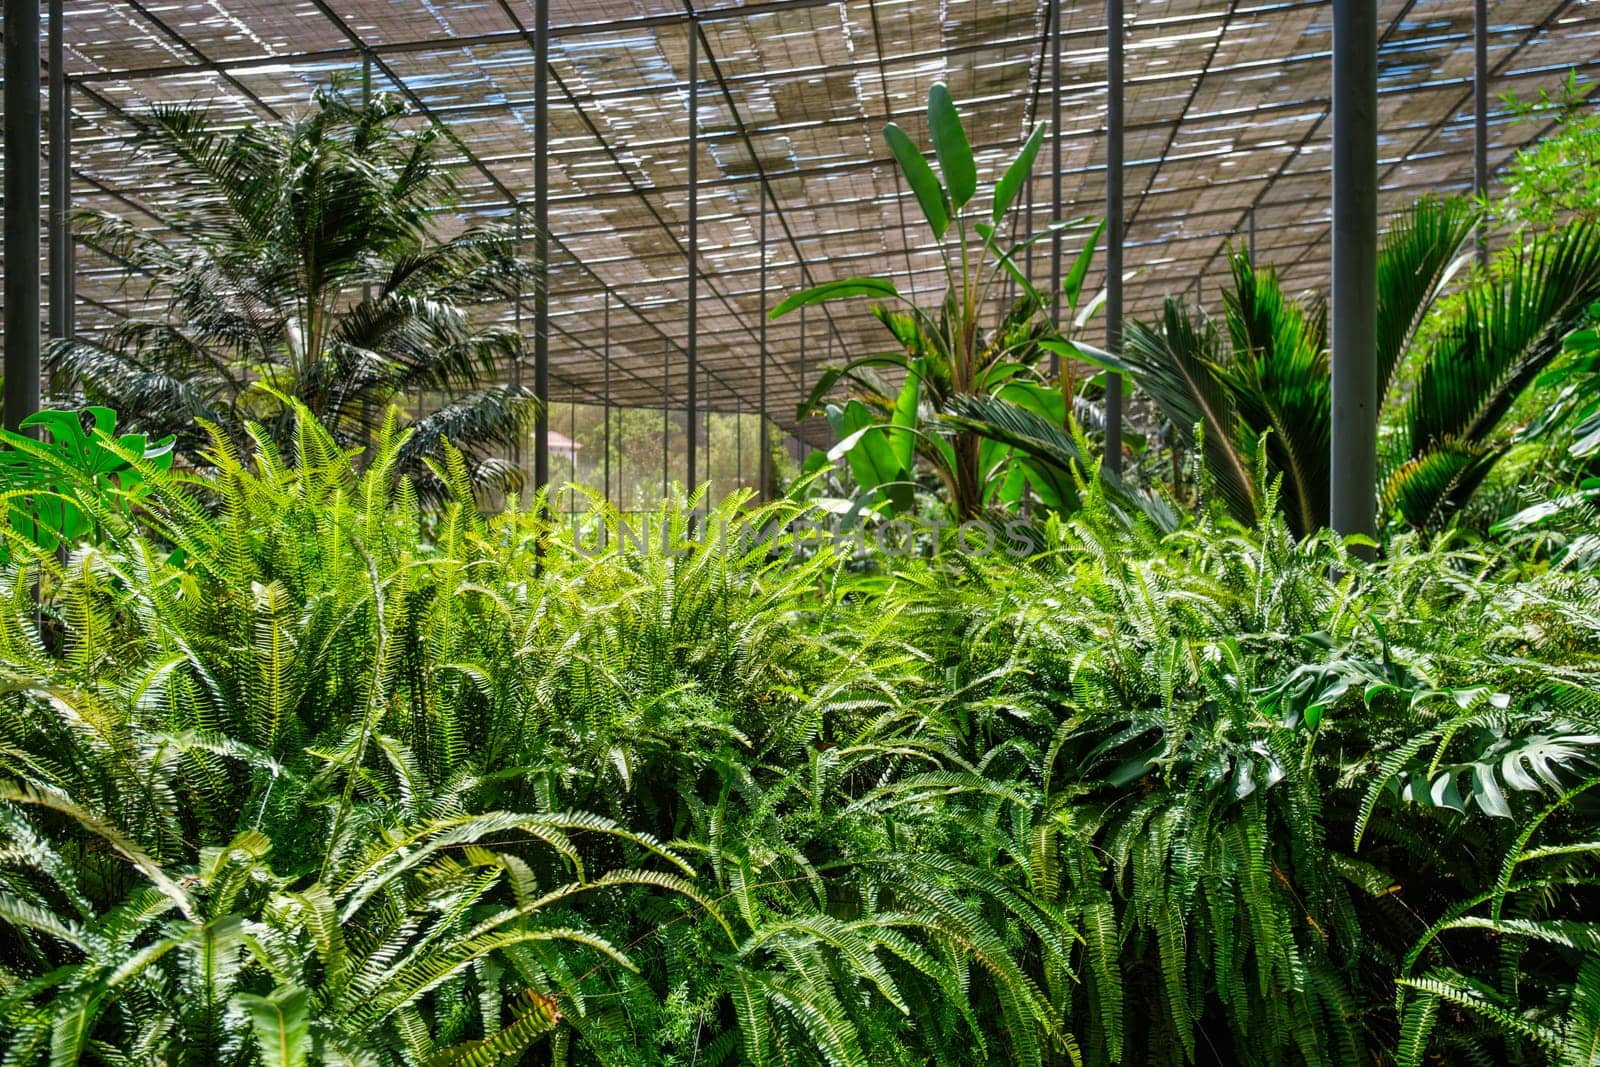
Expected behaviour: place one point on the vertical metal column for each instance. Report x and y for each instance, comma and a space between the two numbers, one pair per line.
605, 355
1480, 116
22, 210
693, 417
516, 360
541, 242
1355, 256
1112, 460
764, 468
738, 443
1055, 175
800, 424
61, 257
666, 417
705, 425
1250, 236
366, 101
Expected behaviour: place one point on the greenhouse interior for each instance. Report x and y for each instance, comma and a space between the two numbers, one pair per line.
787, 532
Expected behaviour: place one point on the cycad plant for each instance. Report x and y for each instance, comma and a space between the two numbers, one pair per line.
309, 259
1256, 390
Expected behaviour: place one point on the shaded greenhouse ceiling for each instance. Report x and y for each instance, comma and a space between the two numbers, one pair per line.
1227, 134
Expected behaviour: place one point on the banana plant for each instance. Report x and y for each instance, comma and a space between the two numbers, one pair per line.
944, 353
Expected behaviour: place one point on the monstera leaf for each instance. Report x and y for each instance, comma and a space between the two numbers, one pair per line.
47, 483
1504, 763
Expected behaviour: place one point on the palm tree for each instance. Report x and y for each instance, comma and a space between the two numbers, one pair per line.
305, 262
1254, 393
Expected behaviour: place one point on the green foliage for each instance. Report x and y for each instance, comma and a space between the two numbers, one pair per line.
1520, 962
39, 477
947, 356
287, 780
1265, 397
1557, 177
303, 259
1486, 350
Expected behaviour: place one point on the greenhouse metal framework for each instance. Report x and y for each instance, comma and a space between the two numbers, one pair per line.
684, 164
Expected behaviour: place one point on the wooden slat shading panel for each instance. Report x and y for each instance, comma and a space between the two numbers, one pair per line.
1227, 119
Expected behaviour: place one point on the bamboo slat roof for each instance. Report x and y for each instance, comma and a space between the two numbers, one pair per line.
1227, 116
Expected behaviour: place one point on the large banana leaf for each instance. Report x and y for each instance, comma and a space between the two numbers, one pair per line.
1016, 175
866, 445
919, 175
950, 145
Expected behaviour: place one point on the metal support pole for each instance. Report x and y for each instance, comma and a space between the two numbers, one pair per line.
800, 424
1055, 175
1112, 460
1480, 116
366, 102
693, 419
666, 417
21, 211
61, 266
1355, 256
704, 425
1250, 236
764, 462
516, 360
738, 443
605, 355
541, 242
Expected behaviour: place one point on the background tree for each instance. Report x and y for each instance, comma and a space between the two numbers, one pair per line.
310, 259
1557, 177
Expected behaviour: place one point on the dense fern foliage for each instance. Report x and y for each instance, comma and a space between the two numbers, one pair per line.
295, 773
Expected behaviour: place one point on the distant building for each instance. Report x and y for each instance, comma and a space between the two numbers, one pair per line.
563, 447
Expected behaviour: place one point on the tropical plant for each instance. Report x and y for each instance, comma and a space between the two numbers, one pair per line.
948, 352
1200, 733
307, 260
1517, 965
1557, 177
37, 476
1264, 396
284, 775
291, 772
1564, 436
